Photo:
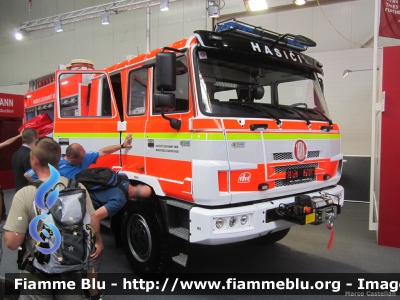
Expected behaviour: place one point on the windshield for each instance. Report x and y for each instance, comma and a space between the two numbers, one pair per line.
256, 86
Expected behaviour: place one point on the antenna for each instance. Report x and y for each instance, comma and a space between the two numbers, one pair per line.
138, 50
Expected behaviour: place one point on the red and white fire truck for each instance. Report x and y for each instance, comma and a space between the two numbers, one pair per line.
230, 129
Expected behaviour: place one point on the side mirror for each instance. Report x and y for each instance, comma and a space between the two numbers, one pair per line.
166, 71
166, 101
257, 92
166, 82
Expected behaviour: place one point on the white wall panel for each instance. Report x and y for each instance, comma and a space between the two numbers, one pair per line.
64, 47
6, 64
349, 99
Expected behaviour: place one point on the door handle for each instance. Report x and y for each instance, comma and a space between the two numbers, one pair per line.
258, 126
63, 141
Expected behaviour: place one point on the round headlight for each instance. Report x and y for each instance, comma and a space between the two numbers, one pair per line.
219, 223
243, 220
232, 221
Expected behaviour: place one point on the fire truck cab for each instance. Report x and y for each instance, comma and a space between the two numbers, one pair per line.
230, 129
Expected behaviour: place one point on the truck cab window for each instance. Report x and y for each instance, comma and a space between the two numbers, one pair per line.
85, 95
105, 110
117, 89
297, 92
182, 87
137, 92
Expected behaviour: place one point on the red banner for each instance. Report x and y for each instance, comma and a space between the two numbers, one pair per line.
390, 19
11, 105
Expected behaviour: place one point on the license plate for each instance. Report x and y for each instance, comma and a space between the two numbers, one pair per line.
301, 174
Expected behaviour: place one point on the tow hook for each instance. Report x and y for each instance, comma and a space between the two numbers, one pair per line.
330, 218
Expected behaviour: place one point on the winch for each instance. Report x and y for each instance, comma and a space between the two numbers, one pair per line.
308, 210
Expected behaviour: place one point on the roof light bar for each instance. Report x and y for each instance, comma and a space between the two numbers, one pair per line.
250, 31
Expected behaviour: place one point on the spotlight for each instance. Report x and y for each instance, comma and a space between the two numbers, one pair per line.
213, 9
58, 26
18, 35
346, 72
164, 5
299, 2
255, 5
105, 19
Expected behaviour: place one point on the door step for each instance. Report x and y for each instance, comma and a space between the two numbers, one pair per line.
181, 259
180, 232
180, 204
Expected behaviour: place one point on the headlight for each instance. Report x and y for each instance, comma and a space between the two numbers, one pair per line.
219, 223
232, 221
243, 220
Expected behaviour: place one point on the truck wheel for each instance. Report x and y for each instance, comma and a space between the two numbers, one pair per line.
271, 237
145, 240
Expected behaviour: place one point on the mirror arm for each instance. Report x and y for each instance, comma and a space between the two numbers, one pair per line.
184, 50
174, 123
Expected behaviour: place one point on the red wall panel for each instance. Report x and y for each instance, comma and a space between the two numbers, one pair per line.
8, 129
389, 198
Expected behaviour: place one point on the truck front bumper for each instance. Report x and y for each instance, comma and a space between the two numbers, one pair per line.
243, 222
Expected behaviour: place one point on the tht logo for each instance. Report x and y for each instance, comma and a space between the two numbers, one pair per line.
245, 177
40, 202
300, 150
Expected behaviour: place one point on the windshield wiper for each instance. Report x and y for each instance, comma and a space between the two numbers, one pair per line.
323, 115
301, 116
277, 120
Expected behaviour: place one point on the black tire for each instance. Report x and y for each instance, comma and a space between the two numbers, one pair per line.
271, 237
145, 240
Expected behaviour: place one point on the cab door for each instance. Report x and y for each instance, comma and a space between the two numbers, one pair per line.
168, 152
135, 114
86, 112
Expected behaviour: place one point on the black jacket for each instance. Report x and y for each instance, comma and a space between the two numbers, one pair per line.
20, 164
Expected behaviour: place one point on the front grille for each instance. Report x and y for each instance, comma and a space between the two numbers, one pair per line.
284, 182
283, 156
312, 154
282, 169
289, 155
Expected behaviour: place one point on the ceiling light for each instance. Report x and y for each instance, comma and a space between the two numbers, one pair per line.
18, 35
213, 9
58, 26
105, 19
255, 5
164, 5
299, 2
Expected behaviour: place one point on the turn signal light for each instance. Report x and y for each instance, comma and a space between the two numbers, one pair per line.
307, 210
263, 187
